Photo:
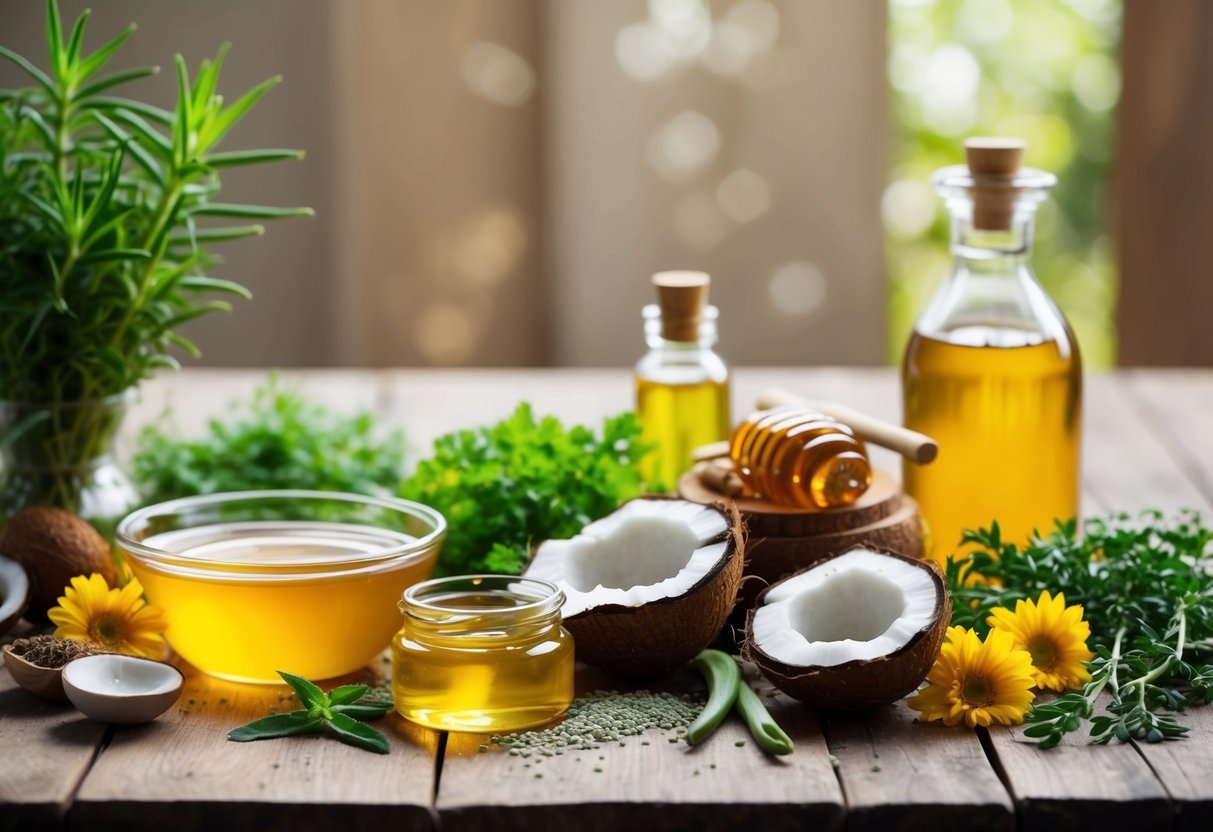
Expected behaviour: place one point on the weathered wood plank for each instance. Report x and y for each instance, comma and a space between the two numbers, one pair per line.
1126, 466
182, 772
1175, 404
1076, 785
719, 785
1183, 767
901, 775
45, 750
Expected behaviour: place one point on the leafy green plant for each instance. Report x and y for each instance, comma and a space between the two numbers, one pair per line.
1146, 587
278, 439
342, 711
104, 247
521, 481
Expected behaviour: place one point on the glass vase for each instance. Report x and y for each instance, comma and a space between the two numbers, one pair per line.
62, 454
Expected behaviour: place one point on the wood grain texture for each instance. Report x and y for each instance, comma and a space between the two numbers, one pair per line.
45, 750
899, 775
718, 785
1076, 785
1176, 404
1126, 466
182, 772
1163, 168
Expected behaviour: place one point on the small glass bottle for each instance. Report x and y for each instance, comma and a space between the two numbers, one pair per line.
992, 369
483, 654
682, 385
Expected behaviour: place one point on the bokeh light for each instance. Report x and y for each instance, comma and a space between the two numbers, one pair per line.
1042, 70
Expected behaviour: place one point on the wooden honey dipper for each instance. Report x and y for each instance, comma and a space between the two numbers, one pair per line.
716, 468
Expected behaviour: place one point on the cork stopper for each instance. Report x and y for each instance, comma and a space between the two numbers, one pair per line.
993, 164
682, 297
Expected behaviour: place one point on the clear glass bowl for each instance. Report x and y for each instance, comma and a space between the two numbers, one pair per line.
254, 582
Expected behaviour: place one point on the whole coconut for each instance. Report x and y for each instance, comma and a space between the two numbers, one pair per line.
54, 546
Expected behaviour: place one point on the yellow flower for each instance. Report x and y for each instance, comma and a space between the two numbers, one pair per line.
977, 683
114, 619
1055, 635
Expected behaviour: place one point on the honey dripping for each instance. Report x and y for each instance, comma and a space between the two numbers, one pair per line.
796, 457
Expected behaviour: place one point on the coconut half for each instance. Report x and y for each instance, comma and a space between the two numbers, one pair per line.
648, 586
853, 632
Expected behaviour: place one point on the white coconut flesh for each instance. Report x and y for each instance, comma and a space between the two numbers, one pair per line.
647, 550
859, 606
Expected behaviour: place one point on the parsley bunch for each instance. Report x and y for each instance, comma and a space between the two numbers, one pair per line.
505, 487
1146, 587
279, 439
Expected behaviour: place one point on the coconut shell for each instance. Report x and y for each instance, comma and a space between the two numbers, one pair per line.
54, 546
668, 632
14, 593
43, 682
864, 683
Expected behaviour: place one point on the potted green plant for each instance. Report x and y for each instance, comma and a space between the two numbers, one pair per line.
106, 205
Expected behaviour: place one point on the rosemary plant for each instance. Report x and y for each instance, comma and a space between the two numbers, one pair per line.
1146, 587
104, 246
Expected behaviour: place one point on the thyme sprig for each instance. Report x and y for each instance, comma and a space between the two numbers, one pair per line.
1146, 586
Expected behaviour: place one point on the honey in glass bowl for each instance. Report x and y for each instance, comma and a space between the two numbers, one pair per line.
256, 582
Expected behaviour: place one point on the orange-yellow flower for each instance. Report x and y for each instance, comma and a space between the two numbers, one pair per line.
976, 682
1054, 635
118, 620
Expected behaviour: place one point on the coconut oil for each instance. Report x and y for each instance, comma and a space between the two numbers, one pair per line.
992, 369
682, 385
482, 654
237, 596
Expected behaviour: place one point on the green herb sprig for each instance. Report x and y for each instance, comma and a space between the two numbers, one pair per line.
342, 711
105, 242
1146, 587
521, 481
278, 439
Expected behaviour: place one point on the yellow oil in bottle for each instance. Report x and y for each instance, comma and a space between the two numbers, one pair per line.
481, 661
1008, 421
676, 419
244, 600
796, 457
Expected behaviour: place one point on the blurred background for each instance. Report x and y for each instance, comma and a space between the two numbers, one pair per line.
495, 180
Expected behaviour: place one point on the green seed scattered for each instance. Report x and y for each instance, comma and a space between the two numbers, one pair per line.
604, 717
739, 743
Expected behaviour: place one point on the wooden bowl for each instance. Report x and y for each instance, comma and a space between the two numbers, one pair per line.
43, 682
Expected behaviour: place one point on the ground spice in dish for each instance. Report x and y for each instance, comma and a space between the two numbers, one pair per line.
48, 651
602, 717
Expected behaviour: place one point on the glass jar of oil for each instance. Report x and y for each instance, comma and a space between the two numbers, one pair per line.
682, 385
482, 654
992, 369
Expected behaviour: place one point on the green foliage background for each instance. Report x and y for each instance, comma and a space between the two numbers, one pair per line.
1043, 70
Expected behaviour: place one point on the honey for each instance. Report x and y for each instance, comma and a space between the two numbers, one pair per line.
676, 419
482, 654
795, 457
245, 598
1007, 419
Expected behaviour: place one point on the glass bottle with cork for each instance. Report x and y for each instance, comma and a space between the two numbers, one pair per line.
682, 385
992, 369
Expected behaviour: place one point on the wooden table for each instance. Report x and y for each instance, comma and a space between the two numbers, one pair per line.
1147, 445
